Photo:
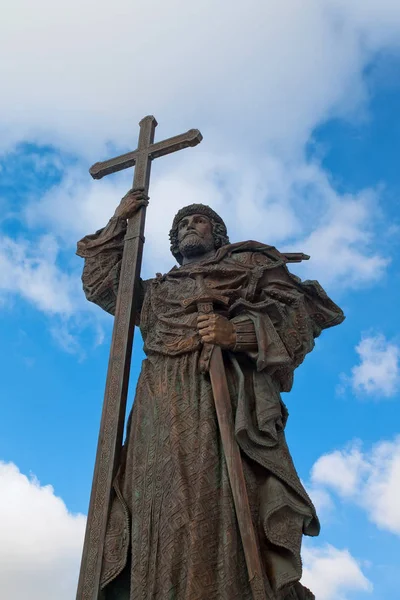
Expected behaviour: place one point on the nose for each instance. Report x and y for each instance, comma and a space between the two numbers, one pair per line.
191, 224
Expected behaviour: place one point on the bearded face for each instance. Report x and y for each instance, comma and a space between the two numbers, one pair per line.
195, 236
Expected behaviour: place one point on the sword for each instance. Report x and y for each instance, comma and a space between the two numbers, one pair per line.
211, 360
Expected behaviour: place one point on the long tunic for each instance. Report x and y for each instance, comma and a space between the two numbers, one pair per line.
172, 532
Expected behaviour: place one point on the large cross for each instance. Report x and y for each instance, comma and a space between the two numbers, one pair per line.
114, 406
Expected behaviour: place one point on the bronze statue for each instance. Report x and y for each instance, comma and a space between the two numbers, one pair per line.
172, 531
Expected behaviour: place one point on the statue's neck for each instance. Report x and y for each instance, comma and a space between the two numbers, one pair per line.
198, 258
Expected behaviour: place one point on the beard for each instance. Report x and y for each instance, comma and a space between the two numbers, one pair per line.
194, 245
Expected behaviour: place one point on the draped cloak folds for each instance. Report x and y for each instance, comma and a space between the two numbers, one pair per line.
172, 531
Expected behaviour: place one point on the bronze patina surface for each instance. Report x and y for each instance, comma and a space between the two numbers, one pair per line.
173, 529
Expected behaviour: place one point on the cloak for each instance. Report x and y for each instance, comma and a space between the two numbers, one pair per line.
172, 531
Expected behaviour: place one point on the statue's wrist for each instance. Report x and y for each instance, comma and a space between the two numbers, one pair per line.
245, 336
233, 337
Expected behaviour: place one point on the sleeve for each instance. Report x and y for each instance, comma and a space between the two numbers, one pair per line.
102, 252
246, 337
287, 315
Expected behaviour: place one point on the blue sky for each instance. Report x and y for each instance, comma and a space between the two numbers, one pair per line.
298, 106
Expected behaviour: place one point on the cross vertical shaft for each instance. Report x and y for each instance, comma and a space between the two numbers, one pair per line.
141, 177
115, 397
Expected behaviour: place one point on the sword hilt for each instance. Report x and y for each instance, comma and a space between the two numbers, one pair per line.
205, 307
204, 301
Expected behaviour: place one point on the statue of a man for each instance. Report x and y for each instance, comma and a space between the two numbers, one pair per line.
172, 532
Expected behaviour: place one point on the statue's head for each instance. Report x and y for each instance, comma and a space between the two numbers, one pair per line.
197, 229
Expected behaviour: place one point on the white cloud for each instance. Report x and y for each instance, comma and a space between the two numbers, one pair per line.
255, 77
322, 500
41, 547
30, 269
292, 206
340, 245
370, 479
65, 339
378, 373
379, 22
342, 470
261, 73
331, 573
75, 207
381, 492
41, 541
271, 69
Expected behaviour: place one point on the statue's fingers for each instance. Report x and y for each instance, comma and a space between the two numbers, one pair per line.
203, 324
135, 195
206, 331
203, 318
208, 339
136, 204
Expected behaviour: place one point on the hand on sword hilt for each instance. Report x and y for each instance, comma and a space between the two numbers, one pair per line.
216, 329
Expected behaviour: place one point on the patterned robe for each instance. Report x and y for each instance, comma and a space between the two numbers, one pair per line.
172, 532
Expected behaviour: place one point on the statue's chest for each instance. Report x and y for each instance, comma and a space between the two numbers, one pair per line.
181, 291
173, 301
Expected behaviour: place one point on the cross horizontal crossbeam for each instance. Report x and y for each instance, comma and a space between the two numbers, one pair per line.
124, 161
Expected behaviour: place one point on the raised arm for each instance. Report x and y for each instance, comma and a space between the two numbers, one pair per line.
102, 252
